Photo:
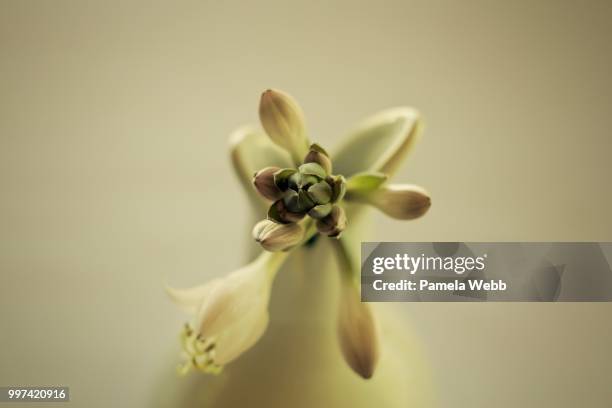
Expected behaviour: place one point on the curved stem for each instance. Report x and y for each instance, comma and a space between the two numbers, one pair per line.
273, 261
346, 266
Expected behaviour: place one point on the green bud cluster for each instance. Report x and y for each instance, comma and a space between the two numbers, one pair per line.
310, 190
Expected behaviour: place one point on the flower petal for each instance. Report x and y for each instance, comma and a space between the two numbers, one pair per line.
251, 150
231, 301
188, 300
380, 143
238, 338
235, 314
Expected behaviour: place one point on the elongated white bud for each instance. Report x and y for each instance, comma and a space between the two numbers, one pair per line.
283, 121
357, 334
403, 201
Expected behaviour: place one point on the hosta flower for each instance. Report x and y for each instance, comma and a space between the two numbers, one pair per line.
302, 191
230, 314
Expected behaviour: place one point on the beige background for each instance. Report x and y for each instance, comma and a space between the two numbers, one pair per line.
114, 173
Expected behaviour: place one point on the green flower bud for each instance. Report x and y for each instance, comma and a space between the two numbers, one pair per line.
334, 223
320, 192
313, 169
294, 181
280, 213
275, 237
297, 202
320, 211
281, 178
263, 181
290, 199
305, 203
307, 181
318, 155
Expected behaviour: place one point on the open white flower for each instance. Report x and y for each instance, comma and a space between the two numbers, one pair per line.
231, 313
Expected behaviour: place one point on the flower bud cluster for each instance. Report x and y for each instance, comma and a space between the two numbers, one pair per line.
310, 190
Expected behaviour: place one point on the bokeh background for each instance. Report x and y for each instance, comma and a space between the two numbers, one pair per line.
115, 178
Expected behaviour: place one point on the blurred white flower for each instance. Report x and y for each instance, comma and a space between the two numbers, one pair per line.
231, 313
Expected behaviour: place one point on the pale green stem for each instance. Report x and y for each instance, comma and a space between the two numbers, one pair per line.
274, 260
346, 266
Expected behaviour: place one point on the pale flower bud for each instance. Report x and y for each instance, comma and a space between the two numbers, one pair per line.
403, 201
357, 333
283, 121
275, 237
263, 181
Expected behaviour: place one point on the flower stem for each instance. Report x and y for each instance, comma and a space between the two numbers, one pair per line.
345, 264
273, 261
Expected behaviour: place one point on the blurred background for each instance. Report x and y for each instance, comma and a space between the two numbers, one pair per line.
115, 177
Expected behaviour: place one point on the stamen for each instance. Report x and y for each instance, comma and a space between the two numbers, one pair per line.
200, 352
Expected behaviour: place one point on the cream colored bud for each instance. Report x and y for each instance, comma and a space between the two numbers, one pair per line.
283, 121
404, 201
276, 237
263, 181
357, 334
